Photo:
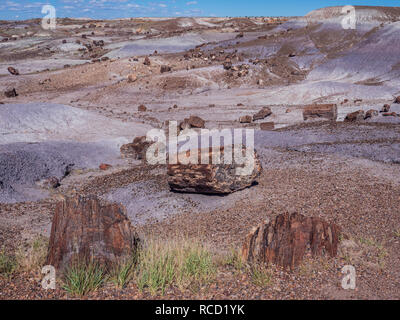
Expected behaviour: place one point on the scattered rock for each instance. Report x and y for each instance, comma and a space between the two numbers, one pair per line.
50, 183
385, 108
85, 229
13, 71
267, 126
371, 113
288, 238
165, 68
192, 122
105, 166
142, 108
318, 111
137, 149
227, 65
11, 93
262, 114
132, 78
246, 119
355, 116
196, 122
213, 178
389, 114
397, 100
147, 61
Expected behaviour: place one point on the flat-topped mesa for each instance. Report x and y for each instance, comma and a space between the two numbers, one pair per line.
320, 112
85, 229
224, 178
288, 238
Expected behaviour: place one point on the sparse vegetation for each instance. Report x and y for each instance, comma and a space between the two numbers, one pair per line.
33, 256
183, 263
82, 278
8, 264
260, 275
234, 260
397, 233
122, 272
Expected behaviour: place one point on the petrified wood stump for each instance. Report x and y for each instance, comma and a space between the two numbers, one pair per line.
318, 111
85, 229
214, 178
286, 240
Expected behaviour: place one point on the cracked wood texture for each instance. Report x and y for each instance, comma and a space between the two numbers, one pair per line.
288, 238
213, 178
85, 229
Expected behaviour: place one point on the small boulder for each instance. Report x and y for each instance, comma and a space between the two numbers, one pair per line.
137, 149
196, 122
142, 108
147, 61
132, 78
397, 100
11, 93
355, 116
385, 108
13, 71
371, 113
165, 68
105, 167
246, 119
262, 114
267, 126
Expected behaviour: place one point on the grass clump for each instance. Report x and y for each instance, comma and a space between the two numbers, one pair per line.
260, 276
122, 272
83, 277
33, 256
183, 263
8, 264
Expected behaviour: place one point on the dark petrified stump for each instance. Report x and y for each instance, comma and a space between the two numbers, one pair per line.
286, 240
84, 229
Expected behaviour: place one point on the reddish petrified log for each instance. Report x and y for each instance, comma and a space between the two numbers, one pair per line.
84, 229
286, 240
318, 111
214, 178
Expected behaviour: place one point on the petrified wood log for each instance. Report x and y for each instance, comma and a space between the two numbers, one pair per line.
84, 229
355, 116
286, 240
137, 149
214, 178
318, 111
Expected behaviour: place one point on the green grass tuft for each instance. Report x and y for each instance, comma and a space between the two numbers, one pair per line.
82, 278
183, 263
8, 264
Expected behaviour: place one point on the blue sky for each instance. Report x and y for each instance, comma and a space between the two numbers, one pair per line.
110, 9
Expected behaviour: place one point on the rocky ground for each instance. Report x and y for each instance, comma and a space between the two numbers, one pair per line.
78, 92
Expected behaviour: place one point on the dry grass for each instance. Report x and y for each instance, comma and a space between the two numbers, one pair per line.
183, 263
33, 256
8, 264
